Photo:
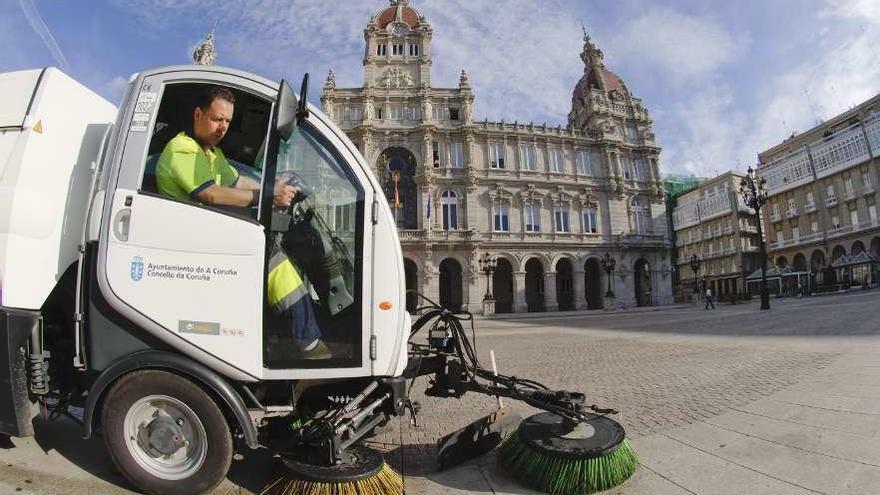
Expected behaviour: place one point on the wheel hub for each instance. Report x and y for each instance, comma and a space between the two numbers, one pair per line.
164, 436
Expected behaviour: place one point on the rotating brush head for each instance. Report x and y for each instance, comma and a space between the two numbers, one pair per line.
369, 474
552, 455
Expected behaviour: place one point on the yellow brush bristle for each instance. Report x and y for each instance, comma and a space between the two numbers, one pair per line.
385, 482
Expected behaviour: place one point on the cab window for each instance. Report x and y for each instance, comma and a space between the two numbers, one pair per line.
240, 145
322, 233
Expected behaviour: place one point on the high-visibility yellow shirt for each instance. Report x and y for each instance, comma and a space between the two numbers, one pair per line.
186, 169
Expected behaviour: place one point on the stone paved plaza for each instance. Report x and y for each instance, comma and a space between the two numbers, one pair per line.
727, 401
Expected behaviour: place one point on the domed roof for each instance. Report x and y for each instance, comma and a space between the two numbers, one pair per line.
389, 15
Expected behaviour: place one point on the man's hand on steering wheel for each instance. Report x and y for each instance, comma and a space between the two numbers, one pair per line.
284, 193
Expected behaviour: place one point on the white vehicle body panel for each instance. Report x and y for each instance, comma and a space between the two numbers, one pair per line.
47, 165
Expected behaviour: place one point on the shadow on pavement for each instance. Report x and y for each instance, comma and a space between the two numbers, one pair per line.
65, 437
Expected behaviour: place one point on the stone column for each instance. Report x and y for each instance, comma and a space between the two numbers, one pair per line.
519, 292
580, 290
550, 302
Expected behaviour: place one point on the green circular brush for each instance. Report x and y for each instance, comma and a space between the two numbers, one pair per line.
368, 474
549, 453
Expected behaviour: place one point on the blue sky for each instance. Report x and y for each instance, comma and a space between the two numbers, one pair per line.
723, 80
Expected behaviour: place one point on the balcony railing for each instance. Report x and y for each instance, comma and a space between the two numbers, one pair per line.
775, 216
809, 207
839, 231
791, 213
748, 229
831, 201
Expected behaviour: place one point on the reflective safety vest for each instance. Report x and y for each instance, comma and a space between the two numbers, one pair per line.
284, 285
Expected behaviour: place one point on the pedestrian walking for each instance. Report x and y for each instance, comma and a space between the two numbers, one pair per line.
709, 300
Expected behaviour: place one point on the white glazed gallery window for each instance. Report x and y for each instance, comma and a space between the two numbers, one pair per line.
456, 154
560, 219
449, 207
589, 219
413, 50
496, 155
532, 217
527, 156
556, 160
502, 221
583, 163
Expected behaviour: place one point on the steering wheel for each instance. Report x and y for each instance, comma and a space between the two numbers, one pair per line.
303, 190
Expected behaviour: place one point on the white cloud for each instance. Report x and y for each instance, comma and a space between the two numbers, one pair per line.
682, 46
39, 26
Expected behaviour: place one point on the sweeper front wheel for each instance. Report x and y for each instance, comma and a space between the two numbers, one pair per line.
549, 453
165, 434
366, 474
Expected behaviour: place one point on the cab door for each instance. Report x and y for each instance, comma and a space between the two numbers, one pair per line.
188, 274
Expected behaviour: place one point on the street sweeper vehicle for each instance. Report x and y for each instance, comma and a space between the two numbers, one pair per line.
155, 311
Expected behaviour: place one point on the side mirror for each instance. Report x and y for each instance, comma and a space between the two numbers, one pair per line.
303, 110
286, 111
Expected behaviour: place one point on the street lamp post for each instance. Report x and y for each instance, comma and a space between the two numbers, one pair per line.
487, 266
608, 263
753, 189
695, 266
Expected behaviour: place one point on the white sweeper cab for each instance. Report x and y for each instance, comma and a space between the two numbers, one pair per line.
151, 313
153, 306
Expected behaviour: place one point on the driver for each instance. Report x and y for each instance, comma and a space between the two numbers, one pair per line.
193, 168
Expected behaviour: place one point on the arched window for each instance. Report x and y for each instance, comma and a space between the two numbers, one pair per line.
449, 206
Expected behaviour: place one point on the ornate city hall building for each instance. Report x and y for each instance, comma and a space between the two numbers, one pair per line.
548, 202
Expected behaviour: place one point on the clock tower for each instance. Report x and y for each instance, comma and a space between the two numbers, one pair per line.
397, 53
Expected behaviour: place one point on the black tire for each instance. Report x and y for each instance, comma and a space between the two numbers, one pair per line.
124, 398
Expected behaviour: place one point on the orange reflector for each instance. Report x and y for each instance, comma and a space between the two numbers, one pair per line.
384, 305
38, 127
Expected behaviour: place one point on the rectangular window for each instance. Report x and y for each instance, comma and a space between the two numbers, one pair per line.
814, 226
439, 113
379, 113
397, 49
854, 218
774, 210
795, 233
810, 204
631, 132
527, 156
435, 151
456, 155
639, 167
501, 218
792, 206
560, 217
830, 194
450, 216
626, 163
590, 221
381, 50
872, 213
835, 222
453, 114
866, 181
556, 163
413, 50
397, 112
343, 217
848, 187
532, 214
412, 113
496, 155
583, 163
780, 236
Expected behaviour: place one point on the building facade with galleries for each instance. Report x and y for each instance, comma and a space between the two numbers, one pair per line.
821, 214
548, 201
712, 222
